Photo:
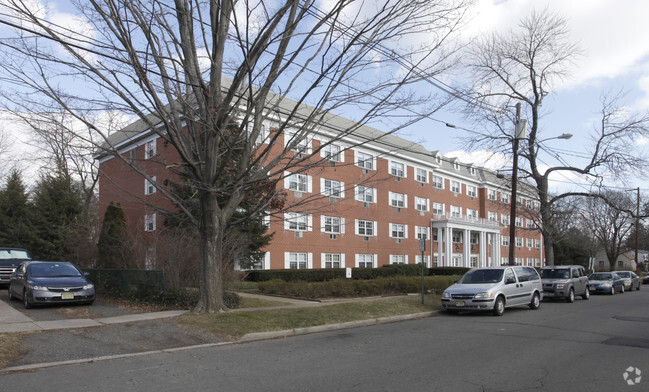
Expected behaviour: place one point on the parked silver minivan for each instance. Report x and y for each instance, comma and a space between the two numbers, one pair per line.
494, 289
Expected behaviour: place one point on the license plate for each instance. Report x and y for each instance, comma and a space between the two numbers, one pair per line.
459, 304
67, 296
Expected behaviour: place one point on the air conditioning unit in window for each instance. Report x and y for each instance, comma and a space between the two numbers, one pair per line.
365, 171
398, 209
298, 195
366, 204
436, 190
332, 199
422, 213
421, 184
397, 179
333, 236
366, 238
298, 234
398, 240
332, 163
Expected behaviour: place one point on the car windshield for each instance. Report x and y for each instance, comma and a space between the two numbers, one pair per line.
600, 277
9, 254
52, 270
562, 273
482, 276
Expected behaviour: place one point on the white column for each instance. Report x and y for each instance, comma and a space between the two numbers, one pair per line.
467, 247
440, 247
483, 249
449, 246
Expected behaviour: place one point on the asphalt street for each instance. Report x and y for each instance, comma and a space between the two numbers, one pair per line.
584, 346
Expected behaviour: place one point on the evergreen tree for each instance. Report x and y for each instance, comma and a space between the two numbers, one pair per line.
57, 205
114, 245
16, 215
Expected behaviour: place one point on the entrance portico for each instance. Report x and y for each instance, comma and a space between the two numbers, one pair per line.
465, 241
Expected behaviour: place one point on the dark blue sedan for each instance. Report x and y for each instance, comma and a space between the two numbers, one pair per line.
49, 282
605, 282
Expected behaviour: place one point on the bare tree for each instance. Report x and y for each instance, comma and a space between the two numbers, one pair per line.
523, 66
207, 76
609, 224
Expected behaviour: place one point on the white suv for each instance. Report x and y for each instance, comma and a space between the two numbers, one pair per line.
494, 289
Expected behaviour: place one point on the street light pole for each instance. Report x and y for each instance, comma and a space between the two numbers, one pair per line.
637, 225
512, 211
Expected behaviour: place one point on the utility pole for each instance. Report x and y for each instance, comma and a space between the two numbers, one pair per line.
518, 133
637, 226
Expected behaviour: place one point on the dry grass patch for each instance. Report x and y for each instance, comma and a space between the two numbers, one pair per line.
10, 348
245, 302
232, 326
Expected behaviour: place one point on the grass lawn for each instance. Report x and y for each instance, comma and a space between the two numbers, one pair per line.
232, 326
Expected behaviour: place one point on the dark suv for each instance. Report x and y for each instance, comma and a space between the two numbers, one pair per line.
10, 259
565, 281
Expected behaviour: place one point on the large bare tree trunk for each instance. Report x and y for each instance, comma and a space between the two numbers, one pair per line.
210, 263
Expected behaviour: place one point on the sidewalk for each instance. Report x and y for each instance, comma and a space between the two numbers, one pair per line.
12, 320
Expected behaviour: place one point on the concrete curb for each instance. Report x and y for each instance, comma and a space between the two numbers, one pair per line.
251, 337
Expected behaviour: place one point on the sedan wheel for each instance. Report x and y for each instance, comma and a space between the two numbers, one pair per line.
26, 301
612, 290
586, 294
622, 290
11, 296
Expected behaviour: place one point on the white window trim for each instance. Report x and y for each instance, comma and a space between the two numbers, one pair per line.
289, 216
149, 188
289, 137
426, 231
427, 179
287, 259
392, 196
459, 183
323, 219
341, 152
405, 258
374, 228
150, 219
150, 148
405, 230
375, 258
468, 190
405, 168
287, 182
323, 259
341, 187
357, 194
426, 203
356, 152
441, 178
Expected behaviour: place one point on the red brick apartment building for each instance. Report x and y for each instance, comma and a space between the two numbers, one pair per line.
371, 205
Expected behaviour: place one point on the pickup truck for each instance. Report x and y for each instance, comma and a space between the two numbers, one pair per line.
10, 258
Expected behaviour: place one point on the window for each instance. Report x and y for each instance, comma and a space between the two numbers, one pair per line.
518, 201
296, 221
131, 155
456, 236
505, 240
473, 261
426, 260
528, 203
472, 171
492, 216
398, 230
149, 149
492, 195
438, 208
332, 260
456, 187
332, 188
504, 219
421, 204
472, 213
504, 197
519, 221
365, 194
456, 261
438, 158
398, 200
530, 242
149, 222
456, 165
421, 232
365, 228
537, 244
472, 191
438, 182
149, 188
421, 175
365, 261
298, 260
333, 224
474, 239
529, 224
301, 146
364, 160
298, 182
397, 169
519, 242
398, 259
332, 153
456, 212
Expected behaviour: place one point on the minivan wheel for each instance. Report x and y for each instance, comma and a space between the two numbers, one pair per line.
536, 301
26, 301
612, 290
586, 294
499, 307
571, 296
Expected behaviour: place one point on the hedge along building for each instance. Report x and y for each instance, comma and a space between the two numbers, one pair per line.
365, 200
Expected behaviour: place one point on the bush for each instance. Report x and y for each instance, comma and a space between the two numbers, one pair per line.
446, 271
355, 288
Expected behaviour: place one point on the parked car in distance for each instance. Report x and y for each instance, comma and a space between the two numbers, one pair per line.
565, 281
631, 280
49, 282
494, 289
645, 279
10, 259
605, 282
